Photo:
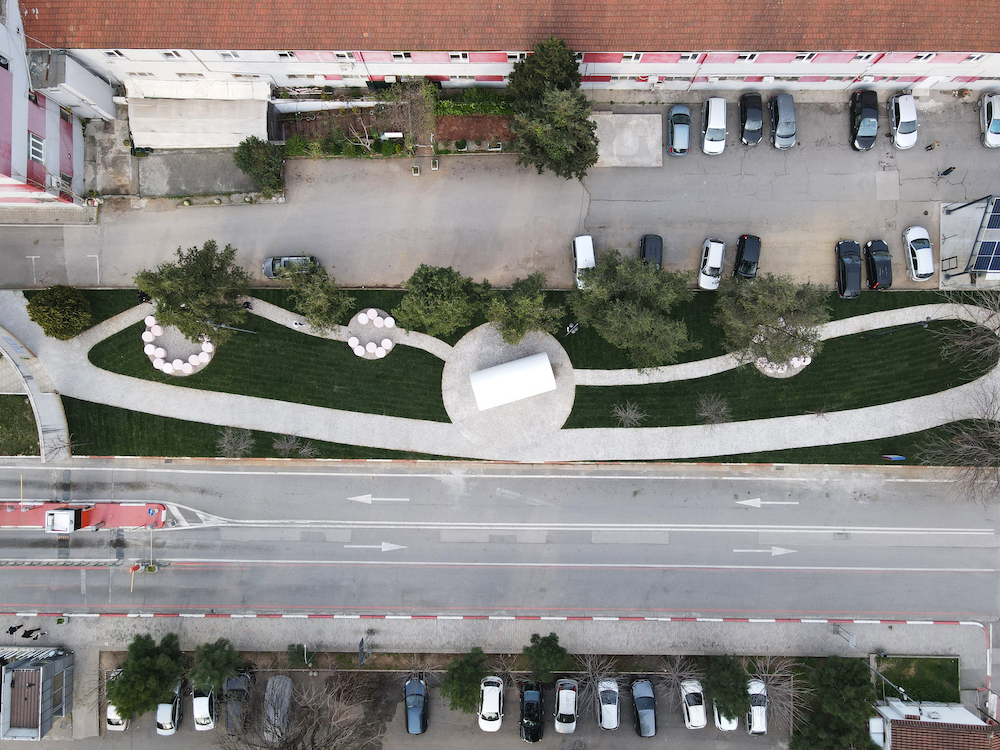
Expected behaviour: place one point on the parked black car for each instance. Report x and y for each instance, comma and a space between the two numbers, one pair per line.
864, 119
531, 712
751, 118
848, 269
236, 696
878, 262
651, 249
415, 695
747, 257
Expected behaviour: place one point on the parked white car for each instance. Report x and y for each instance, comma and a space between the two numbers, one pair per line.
713, 255
919, 254
713, 126
113, 721
609, 704
722, 722
989, 118
757, 715
491, 704
169, 715
583, 256
903, 121
693, 704
566, 706
203, 711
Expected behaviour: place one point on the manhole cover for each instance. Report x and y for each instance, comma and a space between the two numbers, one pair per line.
579, 745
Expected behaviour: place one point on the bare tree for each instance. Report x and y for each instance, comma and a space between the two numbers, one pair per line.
628, 414
675, 670
787, 694
307, 450
235, 442
504, 666
712, 408
973, 343
286, 445
973, 447
593, 668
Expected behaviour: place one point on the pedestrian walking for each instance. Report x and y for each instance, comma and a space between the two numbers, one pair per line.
39, 634
13, 629
932, 146
29, 633
298, 323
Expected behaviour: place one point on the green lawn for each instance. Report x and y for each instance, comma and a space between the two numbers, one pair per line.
18, 435
922, 679
100, 430
849, 373
285, 365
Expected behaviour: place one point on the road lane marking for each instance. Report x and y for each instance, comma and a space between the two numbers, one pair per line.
384, 546
775, 551
756, 502
368, 499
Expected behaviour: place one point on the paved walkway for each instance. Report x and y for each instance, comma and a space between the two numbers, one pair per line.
73, 375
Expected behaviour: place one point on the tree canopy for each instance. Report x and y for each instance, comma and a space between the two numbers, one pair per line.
546, 656
262, 162
557, 134
149, 674
771, 317
198, 292
726, 682
522, 308
842, 707
439, 301
628, 302
60, 310
552, 64
461, 683
316, 295
213, 664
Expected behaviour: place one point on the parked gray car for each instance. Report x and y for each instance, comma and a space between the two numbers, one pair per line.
678, 130
236, 696
273, 267
782, 121
277, 703
644, 707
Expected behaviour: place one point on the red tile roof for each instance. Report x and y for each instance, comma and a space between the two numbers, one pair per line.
587, 25
923, 735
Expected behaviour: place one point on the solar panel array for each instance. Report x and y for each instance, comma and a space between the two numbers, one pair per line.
988, 247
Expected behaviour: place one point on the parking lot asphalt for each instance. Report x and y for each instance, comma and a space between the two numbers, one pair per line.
373, 222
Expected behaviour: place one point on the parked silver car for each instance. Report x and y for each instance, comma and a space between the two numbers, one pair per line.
678, 130
783, 127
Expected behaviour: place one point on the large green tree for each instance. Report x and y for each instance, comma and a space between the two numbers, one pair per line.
316, 295
546, 656
148, 676
522, 308
842, 706
460, 684
552, 64
557, 134
771, 317
629, 303
439, 301
60, 310
725, 682
199, 292
213, 664
261, 161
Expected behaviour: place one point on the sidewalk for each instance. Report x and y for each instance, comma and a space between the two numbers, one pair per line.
86, 636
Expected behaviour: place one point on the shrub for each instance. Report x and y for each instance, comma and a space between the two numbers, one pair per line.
262, 162
61, 311
438, 301
461, 144
389, 148
350, 150
297, 145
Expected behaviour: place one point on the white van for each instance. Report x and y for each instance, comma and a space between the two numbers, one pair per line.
583, 256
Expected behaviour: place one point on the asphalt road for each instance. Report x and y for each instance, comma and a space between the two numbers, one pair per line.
643, 540
373, 223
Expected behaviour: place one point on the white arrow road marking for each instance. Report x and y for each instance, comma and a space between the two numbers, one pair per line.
384, 546
368, 499
756, 502
775, 551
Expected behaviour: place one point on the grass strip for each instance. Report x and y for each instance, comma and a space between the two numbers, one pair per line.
100, 430
18, 434
850, 372
925, 679
284, 365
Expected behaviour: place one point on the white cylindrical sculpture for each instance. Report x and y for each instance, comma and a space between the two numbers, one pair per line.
193, 360
370, 347
379, 352
157, 330
387, 344
353, 341
187, 368
207, 346
372, 313
359, 350
363, 319
390, 322
149, 350
379, 321
150, 321
158, 363
160, 352
205, 358
148, 336
168, 368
